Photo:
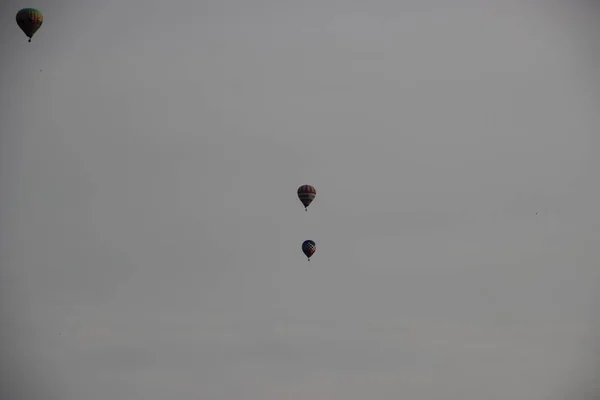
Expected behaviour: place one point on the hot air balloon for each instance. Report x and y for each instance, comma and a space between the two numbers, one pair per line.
306, 194
29, 20
308, 248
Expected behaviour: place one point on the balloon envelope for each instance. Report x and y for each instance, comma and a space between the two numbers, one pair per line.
308, 248
306, 194
29, 20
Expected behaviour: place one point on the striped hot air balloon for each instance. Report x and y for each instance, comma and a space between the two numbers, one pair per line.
308, 248
306, 194
29, 20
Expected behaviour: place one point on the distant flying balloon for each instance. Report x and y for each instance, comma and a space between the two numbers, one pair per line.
308, 248
29, 20
306, 194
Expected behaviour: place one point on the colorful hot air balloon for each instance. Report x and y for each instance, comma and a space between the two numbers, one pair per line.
308, 248
29, 20
306, 194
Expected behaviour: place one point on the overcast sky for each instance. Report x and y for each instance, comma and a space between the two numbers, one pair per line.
151, 234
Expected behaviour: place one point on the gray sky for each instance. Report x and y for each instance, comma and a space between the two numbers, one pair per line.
150, 230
